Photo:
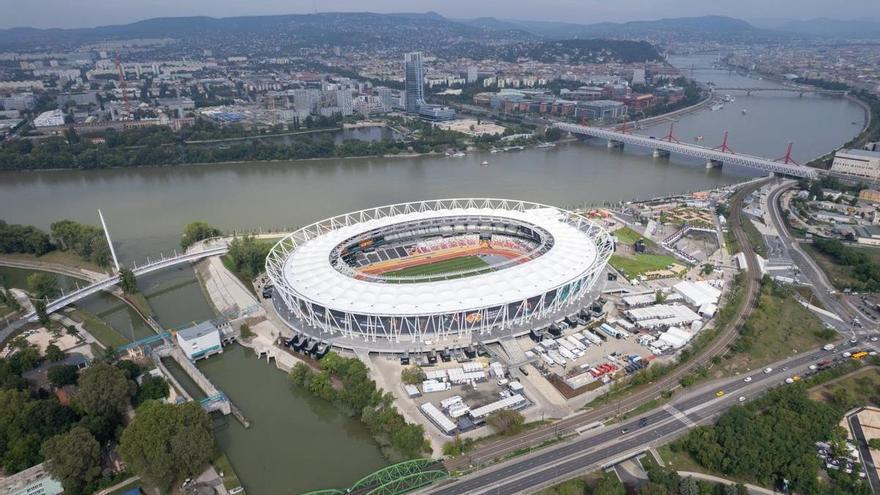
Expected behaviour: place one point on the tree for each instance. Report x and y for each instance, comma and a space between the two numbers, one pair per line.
127, 281
412, 375
609, 485
197, 231
166, 442
74, 459
688, 486
152, 388
61, 375
54, 353
42, 314
103, 390
874, 443
505, 421
246, 332
42, 285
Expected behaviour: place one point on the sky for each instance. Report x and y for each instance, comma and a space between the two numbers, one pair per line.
89, 13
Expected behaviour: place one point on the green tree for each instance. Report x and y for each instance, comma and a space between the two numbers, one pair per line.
152, 388
54, 353
42, 314
166, 442
127, 281
874, 443
74, 459
609, 485
688, 486
412, 375
43, 285
246, 332
506, 421
61, 375
197, 231
104, 390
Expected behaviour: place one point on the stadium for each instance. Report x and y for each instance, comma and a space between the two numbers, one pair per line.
433, 271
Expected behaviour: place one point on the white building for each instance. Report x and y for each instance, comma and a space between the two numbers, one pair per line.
472, 74
200, 341
859, 163
32, 481
698, 294
52, 118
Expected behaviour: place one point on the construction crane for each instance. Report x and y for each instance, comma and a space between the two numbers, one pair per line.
124, 87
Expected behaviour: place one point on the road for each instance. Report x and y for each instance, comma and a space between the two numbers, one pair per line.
533, 438
822, 287
604, 446
869, 466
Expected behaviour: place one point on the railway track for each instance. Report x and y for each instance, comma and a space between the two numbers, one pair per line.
639, 397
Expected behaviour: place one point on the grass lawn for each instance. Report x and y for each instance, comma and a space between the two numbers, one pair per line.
440, 267
67, 258
140, 301
680, 461
778, 328
224, 467
639, 263
100, 329
840, 275
629, 236
755, 237
5, 310
863, 383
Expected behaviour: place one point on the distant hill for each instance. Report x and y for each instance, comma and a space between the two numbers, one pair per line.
579, 51
708, 27
405, 31
860, 28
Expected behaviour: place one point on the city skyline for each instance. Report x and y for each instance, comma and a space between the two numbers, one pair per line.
83, 14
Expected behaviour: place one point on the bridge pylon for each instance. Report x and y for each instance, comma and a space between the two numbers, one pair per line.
723, 147
786, 158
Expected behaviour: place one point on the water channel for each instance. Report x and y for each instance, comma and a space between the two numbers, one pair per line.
296, 443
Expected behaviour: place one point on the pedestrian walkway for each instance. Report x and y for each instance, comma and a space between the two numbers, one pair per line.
754, 490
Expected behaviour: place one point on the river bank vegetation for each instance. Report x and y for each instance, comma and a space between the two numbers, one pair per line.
159, 145
73, 421
86, 241
346, 383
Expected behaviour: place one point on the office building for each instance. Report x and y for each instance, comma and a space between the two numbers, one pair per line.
415, 81
472, 74
858, 163
32, 481
436, 113
200, 341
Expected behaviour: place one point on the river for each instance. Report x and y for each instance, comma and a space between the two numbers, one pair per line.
298, 444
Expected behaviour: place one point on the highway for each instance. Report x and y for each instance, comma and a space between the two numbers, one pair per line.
533, 438
604, 446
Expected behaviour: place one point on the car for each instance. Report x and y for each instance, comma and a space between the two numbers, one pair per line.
785, 368
874, 339
643, 421
789, 380
742, 398
847, 354
813, 367
767, 371
853, 340
747, 379
719, 393
796, 377
624, 431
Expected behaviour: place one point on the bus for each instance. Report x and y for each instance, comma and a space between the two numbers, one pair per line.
859, 355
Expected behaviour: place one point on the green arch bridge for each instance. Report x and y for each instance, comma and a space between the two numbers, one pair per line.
396, 479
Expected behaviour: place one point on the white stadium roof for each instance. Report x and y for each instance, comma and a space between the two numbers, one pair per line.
307, 269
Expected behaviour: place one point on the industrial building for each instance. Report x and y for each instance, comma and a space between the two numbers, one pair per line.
859, 163
200, 341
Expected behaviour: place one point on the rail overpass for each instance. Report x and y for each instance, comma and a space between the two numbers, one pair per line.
714, 157
786, 89
149, 267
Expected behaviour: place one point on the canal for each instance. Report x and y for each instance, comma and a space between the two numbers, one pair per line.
296, 443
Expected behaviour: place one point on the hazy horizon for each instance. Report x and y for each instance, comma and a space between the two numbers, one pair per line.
91, 13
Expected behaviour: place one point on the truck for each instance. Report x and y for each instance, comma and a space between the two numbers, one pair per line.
828, 347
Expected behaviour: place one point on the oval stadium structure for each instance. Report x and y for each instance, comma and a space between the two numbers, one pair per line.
439, 272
